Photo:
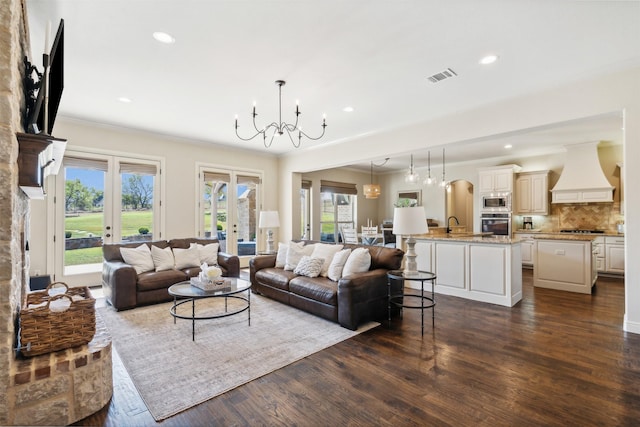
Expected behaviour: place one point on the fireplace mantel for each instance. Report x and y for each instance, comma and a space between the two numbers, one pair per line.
39, 155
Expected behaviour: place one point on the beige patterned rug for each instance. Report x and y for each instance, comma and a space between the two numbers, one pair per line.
173, 373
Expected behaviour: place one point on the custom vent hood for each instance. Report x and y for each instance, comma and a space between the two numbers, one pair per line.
582, 179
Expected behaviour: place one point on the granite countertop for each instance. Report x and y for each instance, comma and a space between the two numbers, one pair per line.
552, 232
566, 236
488, 238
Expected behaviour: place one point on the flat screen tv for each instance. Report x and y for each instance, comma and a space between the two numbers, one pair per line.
35, 119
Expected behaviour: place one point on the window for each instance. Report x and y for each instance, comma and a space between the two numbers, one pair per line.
337, 209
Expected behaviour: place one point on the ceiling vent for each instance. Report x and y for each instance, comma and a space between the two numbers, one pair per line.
442, 75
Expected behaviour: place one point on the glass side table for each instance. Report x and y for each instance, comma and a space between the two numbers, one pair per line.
397, 299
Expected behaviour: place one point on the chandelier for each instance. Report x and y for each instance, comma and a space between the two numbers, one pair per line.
371, 190
280, 127
411, 175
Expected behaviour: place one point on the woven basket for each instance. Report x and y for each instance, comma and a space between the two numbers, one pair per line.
45, 331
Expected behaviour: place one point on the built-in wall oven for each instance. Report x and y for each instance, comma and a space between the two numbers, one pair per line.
497, 223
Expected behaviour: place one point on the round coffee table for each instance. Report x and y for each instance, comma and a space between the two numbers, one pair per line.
188, 293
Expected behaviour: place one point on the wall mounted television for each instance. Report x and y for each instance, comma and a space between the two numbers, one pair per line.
35, 122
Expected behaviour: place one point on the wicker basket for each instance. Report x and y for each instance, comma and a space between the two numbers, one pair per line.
43, 330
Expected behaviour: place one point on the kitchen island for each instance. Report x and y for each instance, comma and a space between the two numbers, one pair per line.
477, 267
564, 262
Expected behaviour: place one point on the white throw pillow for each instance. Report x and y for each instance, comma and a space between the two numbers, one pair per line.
325, 251
207, 253
162, 258
309, 266
295, 252
186, 258
337, 264
359, 261
281, 258
139, 258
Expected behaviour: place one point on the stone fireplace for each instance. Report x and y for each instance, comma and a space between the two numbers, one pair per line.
60, 387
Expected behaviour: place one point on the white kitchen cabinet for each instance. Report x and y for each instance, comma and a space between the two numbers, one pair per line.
481, 269
601, 254
497, 179
532, 193
614, 250
564, 265
527, 243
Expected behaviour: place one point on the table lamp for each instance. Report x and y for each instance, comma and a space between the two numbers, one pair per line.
269, 220
410, 221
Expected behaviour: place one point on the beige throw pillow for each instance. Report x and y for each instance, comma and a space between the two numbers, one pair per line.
325, 251
337, 264
359, 261
295, 253
207, 253
162, 258
281, 257
309, 266
186, 258
138, 257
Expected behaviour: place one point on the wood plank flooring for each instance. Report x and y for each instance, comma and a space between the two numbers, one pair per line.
555, 359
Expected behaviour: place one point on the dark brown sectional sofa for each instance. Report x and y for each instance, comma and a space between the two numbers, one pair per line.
124, 288
350, 301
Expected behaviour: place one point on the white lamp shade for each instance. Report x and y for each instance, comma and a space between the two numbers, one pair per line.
409, 220
269, 219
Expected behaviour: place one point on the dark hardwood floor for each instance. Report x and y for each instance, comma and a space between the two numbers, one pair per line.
556, 358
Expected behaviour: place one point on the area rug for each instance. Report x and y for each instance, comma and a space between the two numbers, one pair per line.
173, 373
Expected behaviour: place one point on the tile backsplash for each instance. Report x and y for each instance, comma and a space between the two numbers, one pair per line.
600, 216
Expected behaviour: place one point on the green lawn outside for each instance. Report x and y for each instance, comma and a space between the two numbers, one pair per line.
91, 223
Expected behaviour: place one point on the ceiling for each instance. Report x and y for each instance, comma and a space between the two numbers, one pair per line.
372, 55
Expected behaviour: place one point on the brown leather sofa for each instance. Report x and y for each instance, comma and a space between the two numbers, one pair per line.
350, 301
124, 288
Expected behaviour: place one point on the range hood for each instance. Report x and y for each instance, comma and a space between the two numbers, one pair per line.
582, 179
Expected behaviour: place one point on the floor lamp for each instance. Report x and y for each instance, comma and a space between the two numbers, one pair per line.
269, 220
410, 221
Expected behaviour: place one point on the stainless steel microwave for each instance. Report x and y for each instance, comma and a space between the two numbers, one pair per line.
496, 202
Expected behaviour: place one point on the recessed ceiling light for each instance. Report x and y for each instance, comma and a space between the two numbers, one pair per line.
508, 146
163, 37
489, 59
348, 109
124, 99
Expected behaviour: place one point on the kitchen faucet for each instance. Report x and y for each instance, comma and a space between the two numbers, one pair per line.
449, 221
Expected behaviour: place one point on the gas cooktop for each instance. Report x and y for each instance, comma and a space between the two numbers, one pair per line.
580, 231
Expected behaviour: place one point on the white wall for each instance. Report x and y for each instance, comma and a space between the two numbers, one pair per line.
180, 158
609, 93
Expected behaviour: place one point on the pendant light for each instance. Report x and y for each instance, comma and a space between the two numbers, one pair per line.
444, 182
371, 190
411, 175
429, 180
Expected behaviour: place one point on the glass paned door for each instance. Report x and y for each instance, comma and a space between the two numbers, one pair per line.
106, 199
84, 220
229, 208
137, 190
214, 212
246, 225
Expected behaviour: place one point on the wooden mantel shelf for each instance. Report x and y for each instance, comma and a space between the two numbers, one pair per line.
39, 155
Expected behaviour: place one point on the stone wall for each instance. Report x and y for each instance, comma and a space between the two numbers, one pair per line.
14, 207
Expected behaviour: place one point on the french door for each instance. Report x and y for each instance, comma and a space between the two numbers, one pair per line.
101, 199
228, 210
